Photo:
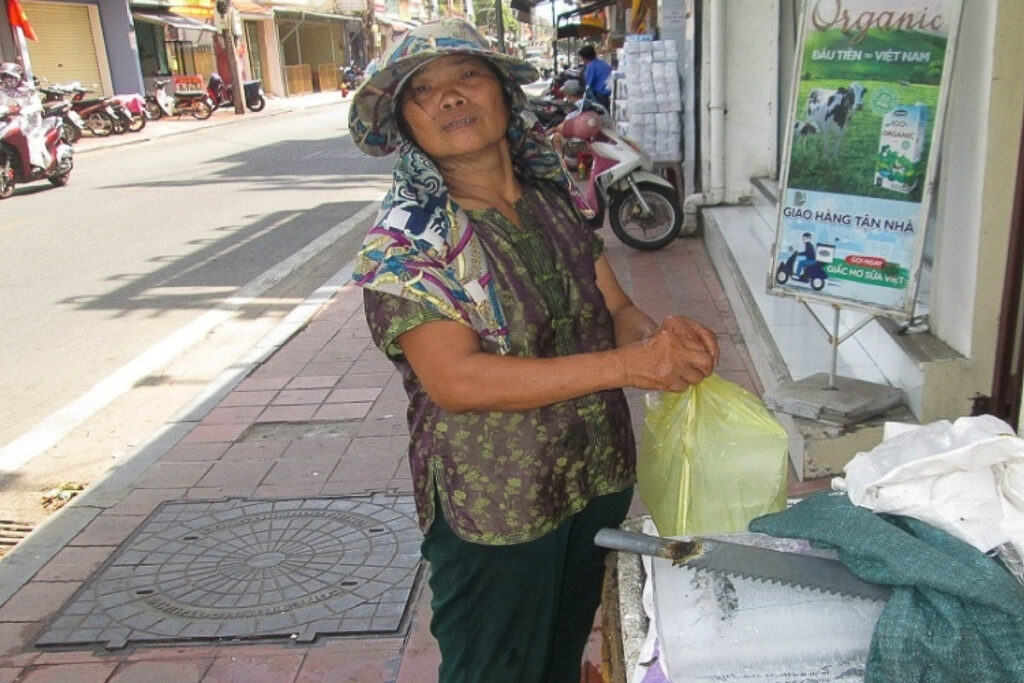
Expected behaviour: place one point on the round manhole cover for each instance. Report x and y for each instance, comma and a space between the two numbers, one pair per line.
293, 568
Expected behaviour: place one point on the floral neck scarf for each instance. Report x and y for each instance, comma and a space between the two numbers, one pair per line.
422, 246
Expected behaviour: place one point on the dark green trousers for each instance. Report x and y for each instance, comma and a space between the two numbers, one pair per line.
519, 613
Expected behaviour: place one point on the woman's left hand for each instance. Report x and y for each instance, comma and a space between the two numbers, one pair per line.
692, 335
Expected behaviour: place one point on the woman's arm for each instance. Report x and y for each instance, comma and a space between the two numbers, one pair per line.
460, 377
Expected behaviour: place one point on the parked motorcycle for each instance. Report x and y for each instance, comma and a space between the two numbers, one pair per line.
55, 104
99, 113
222, 94
135, 107
550, 111
15, 164
643, 208
351, 77
812, 274
162, 103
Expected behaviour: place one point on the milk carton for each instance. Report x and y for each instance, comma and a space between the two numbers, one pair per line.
899, 166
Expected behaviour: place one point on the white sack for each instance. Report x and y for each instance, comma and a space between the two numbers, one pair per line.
965, 477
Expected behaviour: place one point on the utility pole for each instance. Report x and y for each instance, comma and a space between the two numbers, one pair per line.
237, 89
554, 39
499, 20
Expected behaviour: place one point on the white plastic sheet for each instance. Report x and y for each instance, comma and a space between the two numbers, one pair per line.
964, 477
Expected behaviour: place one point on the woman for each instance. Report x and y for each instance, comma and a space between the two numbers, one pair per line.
489, 293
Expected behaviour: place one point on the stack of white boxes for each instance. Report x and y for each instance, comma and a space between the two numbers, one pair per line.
650, 112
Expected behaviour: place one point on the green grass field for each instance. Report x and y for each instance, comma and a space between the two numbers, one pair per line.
852, 172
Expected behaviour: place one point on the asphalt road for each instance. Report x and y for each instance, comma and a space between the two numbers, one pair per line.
159, 266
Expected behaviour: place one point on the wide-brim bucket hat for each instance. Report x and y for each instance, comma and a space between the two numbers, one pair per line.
372, 120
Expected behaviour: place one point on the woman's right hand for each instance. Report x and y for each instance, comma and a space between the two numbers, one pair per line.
667, 361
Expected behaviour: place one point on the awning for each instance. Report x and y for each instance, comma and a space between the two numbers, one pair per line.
581, 31
176, 20
394, 22
250, 10
313, 17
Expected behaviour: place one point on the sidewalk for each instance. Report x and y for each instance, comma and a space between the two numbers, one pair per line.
283, 509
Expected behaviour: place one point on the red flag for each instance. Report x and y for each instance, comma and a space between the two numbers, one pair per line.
17, 19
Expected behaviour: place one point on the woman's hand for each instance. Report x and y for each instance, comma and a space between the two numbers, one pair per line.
679, 353
668, 359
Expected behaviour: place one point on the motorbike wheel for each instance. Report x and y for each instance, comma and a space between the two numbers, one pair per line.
257, 104
6, 177
817, 283
781, 276
99, 124
153, 110
201, 109
646, 233
59, 179
70, 132
138, 123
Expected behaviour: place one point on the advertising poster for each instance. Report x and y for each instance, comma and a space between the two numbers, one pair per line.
861, 151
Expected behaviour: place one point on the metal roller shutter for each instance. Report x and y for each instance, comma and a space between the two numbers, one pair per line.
66, 50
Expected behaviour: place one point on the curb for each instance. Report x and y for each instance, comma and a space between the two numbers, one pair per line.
129, 138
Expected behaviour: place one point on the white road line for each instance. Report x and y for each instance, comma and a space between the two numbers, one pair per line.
59, 424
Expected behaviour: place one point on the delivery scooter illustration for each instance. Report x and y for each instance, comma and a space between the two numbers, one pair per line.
807, 265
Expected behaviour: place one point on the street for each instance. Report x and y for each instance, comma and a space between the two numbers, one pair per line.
158, 267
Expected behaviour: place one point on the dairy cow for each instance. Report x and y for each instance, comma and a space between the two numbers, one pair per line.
828, 112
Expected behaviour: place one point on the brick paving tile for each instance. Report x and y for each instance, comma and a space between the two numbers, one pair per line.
421, 658
288, 413
233, 415
248, 398
267, 449
342, 411
314, 382
195, 452
294, 397
176, 670
9, 675
37, 600
236, 473
108, 529
332, 446
279, 491
263, 384
205, 433
357, 488
376, 380
13, 636
298, 471
254, 669
356, 466
75, 563
173, 474
219, 492
144, 501
327, 367
274, 367
357, 394
366, 664
69, 673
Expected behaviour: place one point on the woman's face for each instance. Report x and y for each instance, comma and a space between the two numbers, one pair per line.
455, 106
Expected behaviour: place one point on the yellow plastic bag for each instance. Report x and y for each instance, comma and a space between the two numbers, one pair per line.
711, 459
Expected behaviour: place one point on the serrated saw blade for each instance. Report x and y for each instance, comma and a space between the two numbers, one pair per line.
791, 569
748, 561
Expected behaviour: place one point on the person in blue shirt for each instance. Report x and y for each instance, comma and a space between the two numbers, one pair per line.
807, 257
595, 75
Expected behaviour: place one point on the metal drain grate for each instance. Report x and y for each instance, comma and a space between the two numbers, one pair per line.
238, 569
11, 533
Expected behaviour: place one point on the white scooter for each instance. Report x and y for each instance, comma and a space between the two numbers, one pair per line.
644, 209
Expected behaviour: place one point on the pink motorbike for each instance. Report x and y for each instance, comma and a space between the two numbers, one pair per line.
15, 165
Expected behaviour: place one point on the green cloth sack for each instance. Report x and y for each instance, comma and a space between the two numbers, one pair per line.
711, 459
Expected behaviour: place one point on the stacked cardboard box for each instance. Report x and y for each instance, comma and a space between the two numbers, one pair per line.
650, 110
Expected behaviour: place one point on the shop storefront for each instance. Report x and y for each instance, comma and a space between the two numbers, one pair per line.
314, 46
